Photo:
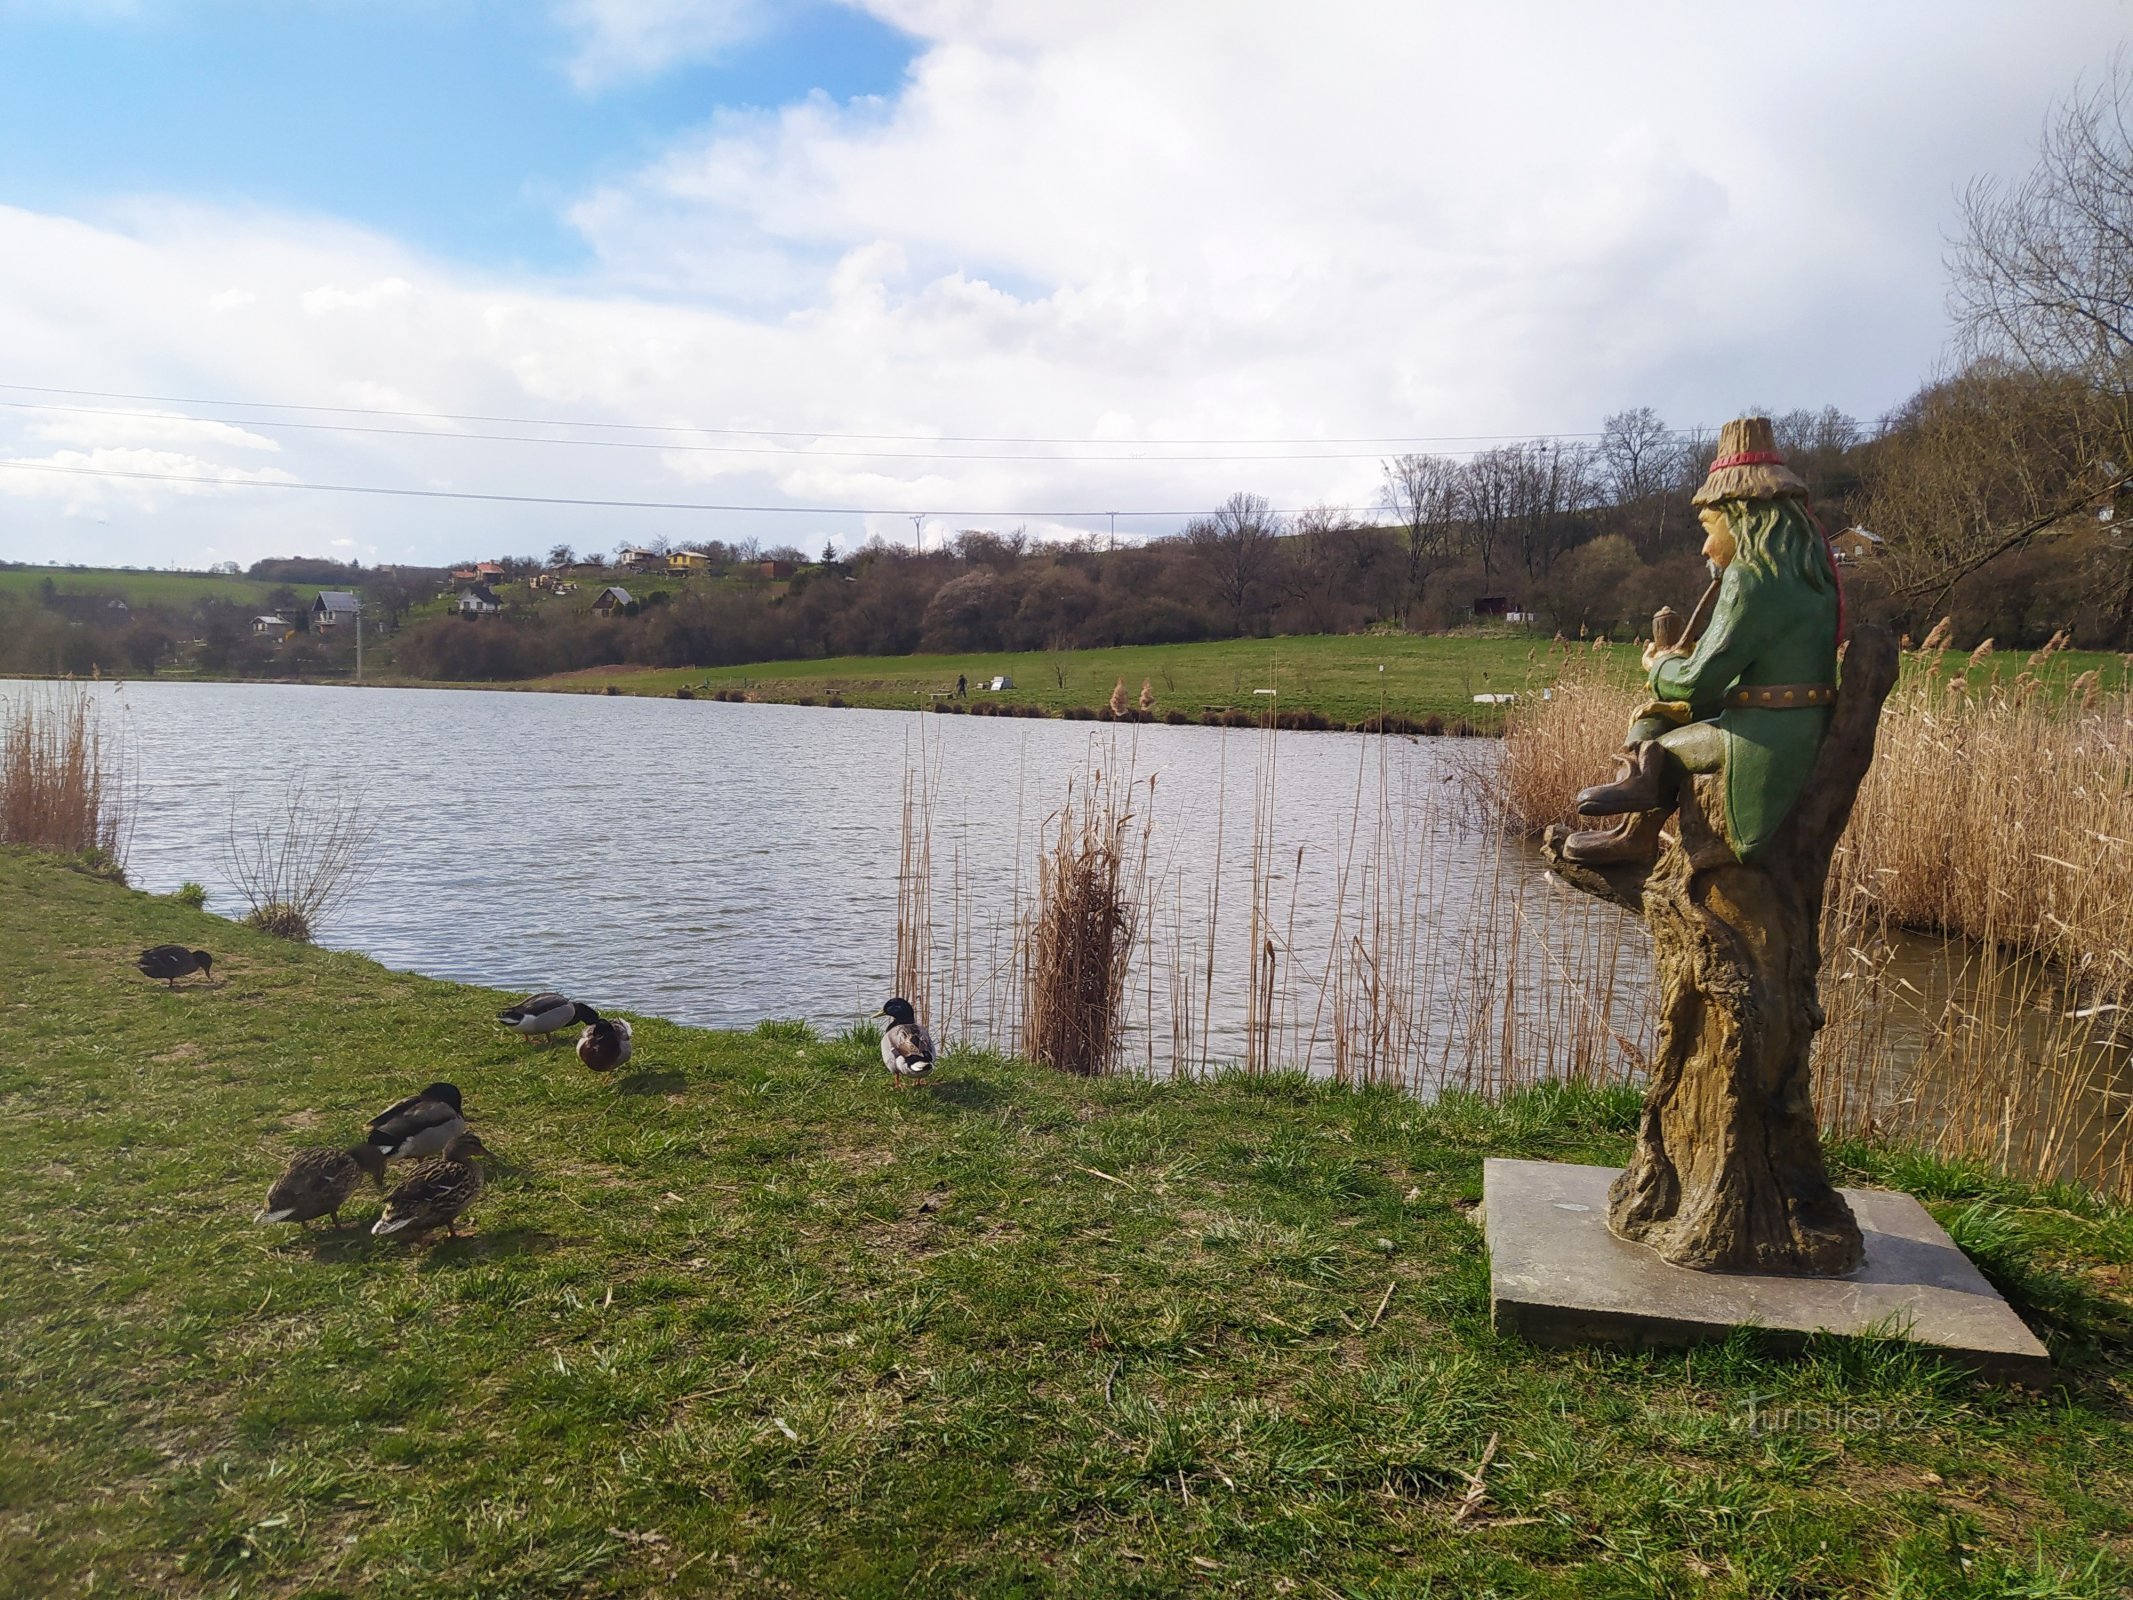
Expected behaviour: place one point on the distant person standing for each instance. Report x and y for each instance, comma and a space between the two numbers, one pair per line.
962, 686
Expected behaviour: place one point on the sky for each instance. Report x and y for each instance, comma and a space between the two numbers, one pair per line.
390, 279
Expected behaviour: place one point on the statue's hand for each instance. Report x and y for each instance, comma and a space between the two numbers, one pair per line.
1654, 653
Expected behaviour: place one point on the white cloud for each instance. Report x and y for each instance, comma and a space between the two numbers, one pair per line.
621, 39
90, 426
1136, 223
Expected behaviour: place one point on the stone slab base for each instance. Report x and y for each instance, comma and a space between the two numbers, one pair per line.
1558, 1277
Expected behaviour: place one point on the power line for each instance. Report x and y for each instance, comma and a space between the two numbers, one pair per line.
754, 433
569, 500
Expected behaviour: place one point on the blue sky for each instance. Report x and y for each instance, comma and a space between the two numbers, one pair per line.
842, 246
455, 126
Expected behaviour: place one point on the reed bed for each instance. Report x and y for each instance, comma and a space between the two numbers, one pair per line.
1400, 943
1090, 894
63, 784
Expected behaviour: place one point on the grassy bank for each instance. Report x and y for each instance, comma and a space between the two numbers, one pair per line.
746, 1321
1334, 675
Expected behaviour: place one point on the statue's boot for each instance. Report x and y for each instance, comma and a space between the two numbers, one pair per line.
1634, 841
1645, 784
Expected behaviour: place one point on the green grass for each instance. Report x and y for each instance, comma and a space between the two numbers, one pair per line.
136, 588
1334, 674
748, 1321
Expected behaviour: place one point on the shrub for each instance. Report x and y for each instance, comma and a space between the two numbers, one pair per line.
191, 894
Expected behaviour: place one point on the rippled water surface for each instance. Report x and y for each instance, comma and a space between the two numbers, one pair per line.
721, 864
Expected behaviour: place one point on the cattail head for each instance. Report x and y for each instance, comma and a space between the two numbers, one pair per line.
1938, 636
1977, 656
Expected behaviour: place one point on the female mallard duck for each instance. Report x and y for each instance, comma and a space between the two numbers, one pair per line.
539, 1016
436, 1192
906, 1050
605, 1043
421, 1125
170, 962
317, 1183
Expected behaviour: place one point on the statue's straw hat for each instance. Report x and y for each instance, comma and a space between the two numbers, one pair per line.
1748, 466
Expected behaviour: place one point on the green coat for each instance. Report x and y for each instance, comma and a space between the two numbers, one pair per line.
1762, 631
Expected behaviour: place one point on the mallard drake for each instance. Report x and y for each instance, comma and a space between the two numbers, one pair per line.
539, 1016
318, 1181
605, 1043
906, 1049
436, 1192
421, 1125
170, 962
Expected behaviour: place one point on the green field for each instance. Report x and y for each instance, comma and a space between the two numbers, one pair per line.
749, 1322
1337, 675
181, 589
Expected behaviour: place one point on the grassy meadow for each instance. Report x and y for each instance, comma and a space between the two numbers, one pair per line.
749, 1321
1336, 675
23, 585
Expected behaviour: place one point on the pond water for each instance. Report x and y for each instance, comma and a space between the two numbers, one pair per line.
722, 864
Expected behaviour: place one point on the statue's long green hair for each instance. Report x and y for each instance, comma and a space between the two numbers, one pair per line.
1776, 541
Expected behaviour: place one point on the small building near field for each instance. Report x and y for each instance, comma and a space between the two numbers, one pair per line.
1501, 608
333, 607
271, 626
630, 558
1855, 544
611, 600
683, 562
479, 601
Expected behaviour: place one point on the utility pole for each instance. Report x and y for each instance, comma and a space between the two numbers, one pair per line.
1113, 515
359, 639
918, 532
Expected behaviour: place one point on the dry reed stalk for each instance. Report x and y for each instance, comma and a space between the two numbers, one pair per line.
1091, 886
913, 973
62, 777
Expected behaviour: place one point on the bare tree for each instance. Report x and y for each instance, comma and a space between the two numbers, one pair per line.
1638, 462
1236, 551
561, 555
1319, 578
1423, 492
2035, 435
1487, 491
1548, 482
2043, 271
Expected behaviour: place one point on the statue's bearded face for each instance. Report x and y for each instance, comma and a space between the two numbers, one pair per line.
1718, 541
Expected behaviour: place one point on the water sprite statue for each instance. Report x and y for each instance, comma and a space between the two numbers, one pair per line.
1745, 696
1751, 741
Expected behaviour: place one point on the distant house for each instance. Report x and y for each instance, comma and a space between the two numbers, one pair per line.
611, 600
490, 572
1501, 608
271, 625
1855, 544
478, 602
777, 569
332, 608
631, 559
683, 562
465, 575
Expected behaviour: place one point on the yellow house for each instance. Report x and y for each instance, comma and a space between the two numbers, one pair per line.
683, 562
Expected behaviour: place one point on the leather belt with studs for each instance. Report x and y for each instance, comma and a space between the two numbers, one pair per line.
1783, 696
